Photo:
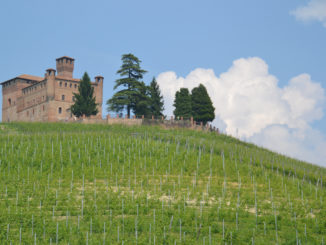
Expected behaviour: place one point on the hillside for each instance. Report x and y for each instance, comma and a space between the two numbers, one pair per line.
99, 184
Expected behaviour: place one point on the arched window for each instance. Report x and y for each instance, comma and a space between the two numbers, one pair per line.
60, 84
75, 85
70, 85
9, 102
65, 84
63, 97
60, 110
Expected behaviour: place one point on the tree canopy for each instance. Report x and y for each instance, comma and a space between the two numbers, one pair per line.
182, 104
132, 91
156, 99
201, 105
84, 100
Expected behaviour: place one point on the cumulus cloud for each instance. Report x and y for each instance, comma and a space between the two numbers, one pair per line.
314, 10
250, 104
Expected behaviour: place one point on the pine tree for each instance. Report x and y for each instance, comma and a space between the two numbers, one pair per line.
142, 101
156, 103
201, 105
131, 74
84, 100
182, 104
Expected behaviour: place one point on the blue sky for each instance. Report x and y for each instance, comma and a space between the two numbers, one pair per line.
285, 38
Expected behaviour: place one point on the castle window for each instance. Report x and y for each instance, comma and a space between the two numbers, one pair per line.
65, 84
9, 101
60, 84
60, 110
70, 85
75, 85
63, 97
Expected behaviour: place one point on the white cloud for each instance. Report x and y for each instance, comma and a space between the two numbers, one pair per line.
250, 104
314, 10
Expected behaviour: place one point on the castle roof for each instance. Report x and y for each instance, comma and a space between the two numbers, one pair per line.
31, 77
26, 77
65, 57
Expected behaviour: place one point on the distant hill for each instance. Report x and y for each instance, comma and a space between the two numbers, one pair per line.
99, 184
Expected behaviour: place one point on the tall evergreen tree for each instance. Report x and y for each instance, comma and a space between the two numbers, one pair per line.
84, 100
142, 101
131, 74
182, 104
201, 105
156, 99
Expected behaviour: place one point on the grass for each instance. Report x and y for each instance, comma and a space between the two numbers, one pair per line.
100, 184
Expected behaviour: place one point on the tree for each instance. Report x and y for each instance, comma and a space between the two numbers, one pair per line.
131, 74
142, 101
156, 99
182, 104
84, 100
201, 105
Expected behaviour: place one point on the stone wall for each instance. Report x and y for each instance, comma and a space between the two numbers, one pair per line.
10, 95
33, 104
125, 121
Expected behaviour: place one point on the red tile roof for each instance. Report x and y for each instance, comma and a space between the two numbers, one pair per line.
26, 77
30, 77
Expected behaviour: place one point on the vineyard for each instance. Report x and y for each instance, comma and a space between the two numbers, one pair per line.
100, 184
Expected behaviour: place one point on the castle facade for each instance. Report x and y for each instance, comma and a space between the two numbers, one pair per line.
48, 98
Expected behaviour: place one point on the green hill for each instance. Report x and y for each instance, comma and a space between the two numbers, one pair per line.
99, 184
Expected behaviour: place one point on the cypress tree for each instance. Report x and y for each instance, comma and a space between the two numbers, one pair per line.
182, 104
156, 99
131, 74
142, 101
84, 100
201, 105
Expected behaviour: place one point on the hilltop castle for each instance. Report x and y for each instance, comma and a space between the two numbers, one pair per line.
48, 98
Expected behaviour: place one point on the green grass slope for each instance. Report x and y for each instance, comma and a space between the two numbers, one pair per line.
99, 184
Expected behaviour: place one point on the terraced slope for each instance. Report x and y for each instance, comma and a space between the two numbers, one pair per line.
95, 184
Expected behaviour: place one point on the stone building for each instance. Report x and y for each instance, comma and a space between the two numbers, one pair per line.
48, 98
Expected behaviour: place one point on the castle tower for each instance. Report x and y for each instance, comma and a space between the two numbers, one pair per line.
65, 66
99, 93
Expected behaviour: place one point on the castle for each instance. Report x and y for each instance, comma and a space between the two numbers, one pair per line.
48, 98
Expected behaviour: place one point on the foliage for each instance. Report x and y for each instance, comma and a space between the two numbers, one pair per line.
84, 100
201, 105
156, 99
142, 101
130, 97
182, 104
101, 184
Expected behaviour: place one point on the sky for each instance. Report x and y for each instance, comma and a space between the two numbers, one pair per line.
263, 62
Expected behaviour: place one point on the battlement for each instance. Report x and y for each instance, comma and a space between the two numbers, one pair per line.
65, 66
48, 98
